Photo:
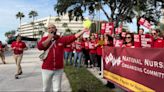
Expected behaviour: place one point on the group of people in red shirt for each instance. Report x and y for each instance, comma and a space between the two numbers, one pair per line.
88, 51
82, 47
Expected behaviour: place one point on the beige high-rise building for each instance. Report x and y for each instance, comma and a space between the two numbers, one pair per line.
35, 31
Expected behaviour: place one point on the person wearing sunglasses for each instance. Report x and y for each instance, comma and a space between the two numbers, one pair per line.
128, 41
158, 41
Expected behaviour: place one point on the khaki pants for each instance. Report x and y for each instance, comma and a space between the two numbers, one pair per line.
52, 79
2, 56
18, 59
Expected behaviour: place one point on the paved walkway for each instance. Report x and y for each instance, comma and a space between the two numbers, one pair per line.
31, 79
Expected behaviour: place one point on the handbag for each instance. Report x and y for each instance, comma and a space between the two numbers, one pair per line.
43, 55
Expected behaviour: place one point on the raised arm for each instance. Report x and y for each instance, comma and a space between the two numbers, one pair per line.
80, 33
69, 39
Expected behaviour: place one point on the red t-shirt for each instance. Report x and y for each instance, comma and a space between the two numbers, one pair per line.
19, 46
158, 43
68, 48
92, 47
54, 60
99, 47
86, 45
99, 50
78, 46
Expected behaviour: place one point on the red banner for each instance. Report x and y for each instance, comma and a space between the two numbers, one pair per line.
145, 23
135, 69
107, 28
143, 41
119, 29
137, 40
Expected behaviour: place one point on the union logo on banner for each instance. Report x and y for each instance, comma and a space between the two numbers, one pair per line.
115, 61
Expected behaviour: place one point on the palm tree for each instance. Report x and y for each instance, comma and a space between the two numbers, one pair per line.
10, 34
20, 15
33, 14
7, 34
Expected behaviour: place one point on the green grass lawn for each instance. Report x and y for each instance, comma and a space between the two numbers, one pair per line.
82, 80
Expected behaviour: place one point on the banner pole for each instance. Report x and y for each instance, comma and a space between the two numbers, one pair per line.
102, 67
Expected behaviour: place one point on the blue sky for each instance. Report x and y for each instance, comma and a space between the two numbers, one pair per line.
9, 8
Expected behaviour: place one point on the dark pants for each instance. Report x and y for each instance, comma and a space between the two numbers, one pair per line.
99, 61
86, 56
93, 59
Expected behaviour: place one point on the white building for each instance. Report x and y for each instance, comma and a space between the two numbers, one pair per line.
27, 28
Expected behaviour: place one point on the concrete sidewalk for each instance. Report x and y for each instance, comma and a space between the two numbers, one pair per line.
31, 79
